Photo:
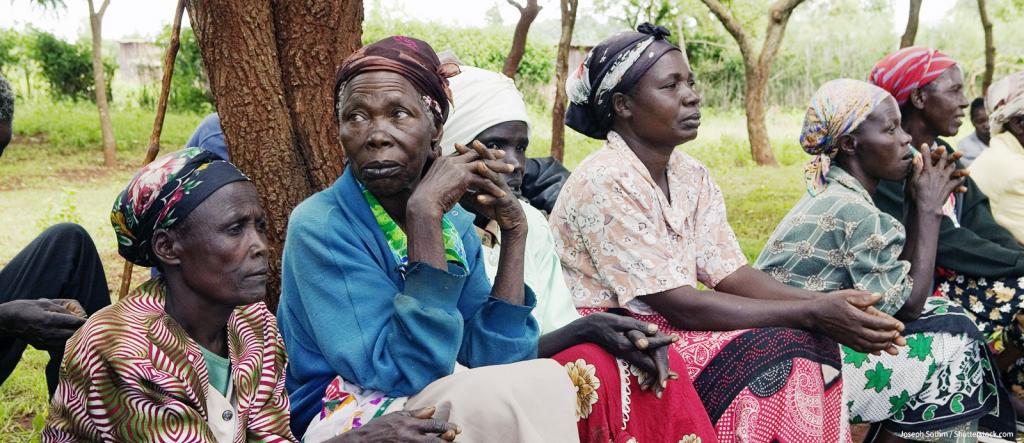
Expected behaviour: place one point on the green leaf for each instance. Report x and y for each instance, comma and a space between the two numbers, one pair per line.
854, 358
879, 378
920, 346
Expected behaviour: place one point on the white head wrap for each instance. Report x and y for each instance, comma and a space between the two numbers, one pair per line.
482, 99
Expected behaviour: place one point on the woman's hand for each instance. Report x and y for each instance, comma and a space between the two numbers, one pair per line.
636, 342
450, 177
503, 207
849, 317
412, 426
933, 178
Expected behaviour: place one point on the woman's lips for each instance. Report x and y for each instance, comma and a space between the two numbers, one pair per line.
691, 121
381, 170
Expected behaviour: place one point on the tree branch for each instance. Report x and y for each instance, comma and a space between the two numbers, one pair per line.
517, 5
778, 14
732, 26
103, 9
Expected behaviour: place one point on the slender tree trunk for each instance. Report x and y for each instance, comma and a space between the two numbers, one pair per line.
100, 83
515, 55
990, 47
561, 74
912, 18
271, 66
757, 68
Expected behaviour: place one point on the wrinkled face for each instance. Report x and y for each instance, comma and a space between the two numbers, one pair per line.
882, 146
5, 135
222, 246
979, 118
513, 138
387, 131
945, 102
665, 107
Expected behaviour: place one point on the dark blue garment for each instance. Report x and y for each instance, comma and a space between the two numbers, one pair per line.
210, 137
345, 308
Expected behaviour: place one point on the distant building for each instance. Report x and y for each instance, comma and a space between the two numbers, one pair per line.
139, 62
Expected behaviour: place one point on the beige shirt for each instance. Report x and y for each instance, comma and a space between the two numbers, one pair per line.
999, 173
222, 413
619, 236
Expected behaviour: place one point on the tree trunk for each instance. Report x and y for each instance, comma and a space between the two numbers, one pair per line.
526, 16
757, 67
561, 74
990, 48
757, 128
99, 78
271, 67
912, 18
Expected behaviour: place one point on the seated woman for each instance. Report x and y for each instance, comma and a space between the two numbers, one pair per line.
979, 264
836, 238
997, 170
639, 223
384, 293
624, 351
194, 354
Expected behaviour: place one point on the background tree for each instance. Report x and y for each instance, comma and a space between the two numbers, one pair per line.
100, 82
515, 54
990, 47
757, 67
568, 8
271, 66
913, 16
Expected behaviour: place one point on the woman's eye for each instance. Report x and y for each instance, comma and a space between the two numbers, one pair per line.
261, 225
401, 113
356, 117
670, 86
234, 229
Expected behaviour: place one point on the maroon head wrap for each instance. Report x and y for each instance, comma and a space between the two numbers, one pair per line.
411, 58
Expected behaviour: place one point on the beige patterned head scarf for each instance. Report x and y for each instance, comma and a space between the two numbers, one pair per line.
1005, 99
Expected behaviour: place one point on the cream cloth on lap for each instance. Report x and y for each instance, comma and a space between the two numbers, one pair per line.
481, 99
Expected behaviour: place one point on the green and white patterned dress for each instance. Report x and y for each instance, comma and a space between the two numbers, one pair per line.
944, 377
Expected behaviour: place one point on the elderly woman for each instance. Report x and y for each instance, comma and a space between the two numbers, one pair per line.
193, 354
998, 170
627, 361
639, 224
384, 293
835, 237
979, 263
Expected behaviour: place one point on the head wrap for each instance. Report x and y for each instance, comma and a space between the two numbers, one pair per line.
837, 109
908, 69
1005, 99
614, 65
163, 194
409, 57
484, 99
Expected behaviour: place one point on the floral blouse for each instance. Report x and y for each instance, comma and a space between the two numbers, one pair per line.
840, 239
620, 237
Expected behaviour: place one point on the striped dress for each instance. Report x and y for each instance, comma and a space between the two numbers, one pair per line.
133, 374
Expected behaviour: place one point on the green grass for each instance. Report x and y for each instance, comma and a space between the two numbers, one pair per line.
54, 173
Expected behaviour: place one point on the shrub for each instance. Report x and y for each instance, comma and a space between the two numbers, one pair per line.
67, 68
190, 88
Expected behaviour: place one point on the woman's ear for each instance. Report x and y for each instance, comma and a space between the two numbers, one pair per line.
847, 145
165, 247
435, 141
621, 105
917, 98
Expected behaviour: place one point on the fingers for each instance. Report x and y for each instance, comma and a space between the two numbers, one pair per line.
638, 338
875, 312
863, 299
661, 340
662, 372
441, 428
63, 320
878, 322
488, 154
422, 413
485, 181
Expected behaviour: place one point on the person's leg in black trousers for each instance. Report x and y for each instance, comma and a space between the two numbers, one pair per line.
62, 263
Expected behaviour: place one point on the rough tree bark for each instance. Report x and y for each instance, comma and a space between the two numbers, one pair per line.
990, 47
271, 66
526, 16
561, 74
912, 18
757, 67
99, 77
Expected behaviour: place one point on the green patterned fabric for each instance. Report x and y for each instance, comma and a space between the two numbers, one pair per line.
218, 369
943, 378
454, 251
